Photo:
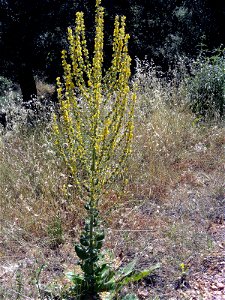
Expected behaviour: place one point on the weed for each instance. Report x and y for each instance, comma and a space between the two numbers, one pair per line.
94, 137
55, 232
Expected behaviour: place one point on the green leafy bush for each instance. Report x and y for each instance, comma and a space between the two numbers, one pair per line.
5, 86
206, 88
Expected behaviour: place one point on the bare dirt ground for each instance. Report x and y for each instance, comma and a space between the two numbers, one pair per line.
209, 282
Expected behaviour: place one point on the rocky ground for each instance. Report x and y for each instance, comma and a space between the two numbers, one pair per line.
209, 282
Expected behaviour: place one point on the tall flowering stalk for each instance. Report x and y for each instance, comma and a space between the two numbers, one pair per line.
96, 112
93, 134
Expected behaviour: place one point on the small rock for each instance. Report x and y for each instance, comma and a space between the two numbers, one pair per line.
218, 293
143, 293
220, 285
214, 287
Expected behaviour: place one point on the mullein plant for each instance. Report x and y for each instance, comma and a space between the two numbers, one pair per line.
93, 133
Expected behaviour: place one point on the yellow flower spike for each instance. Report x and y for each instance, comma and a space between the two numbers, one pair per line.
95, 128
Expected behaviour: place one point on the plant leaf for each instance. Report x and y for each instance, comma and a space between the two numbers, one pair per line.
126, 270
138, 276
81, 252
76, 279
100, 236
107, 286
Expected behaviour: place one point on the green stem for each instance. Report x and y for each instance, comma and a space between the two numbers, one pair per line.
92, 204
91, 248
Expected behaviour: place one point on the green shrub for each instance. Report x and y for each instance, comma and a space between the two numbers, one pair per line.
5, 86
206, 89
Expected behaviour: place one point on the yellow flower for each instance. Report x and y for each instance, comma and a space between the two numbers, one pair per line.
96, 112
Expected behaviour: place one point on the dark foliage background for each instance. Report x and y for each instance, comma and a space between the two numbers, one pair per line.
33, 33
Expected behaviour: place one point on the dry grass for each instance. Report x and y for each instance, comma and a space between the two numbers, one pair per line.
44, 90
175, 192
